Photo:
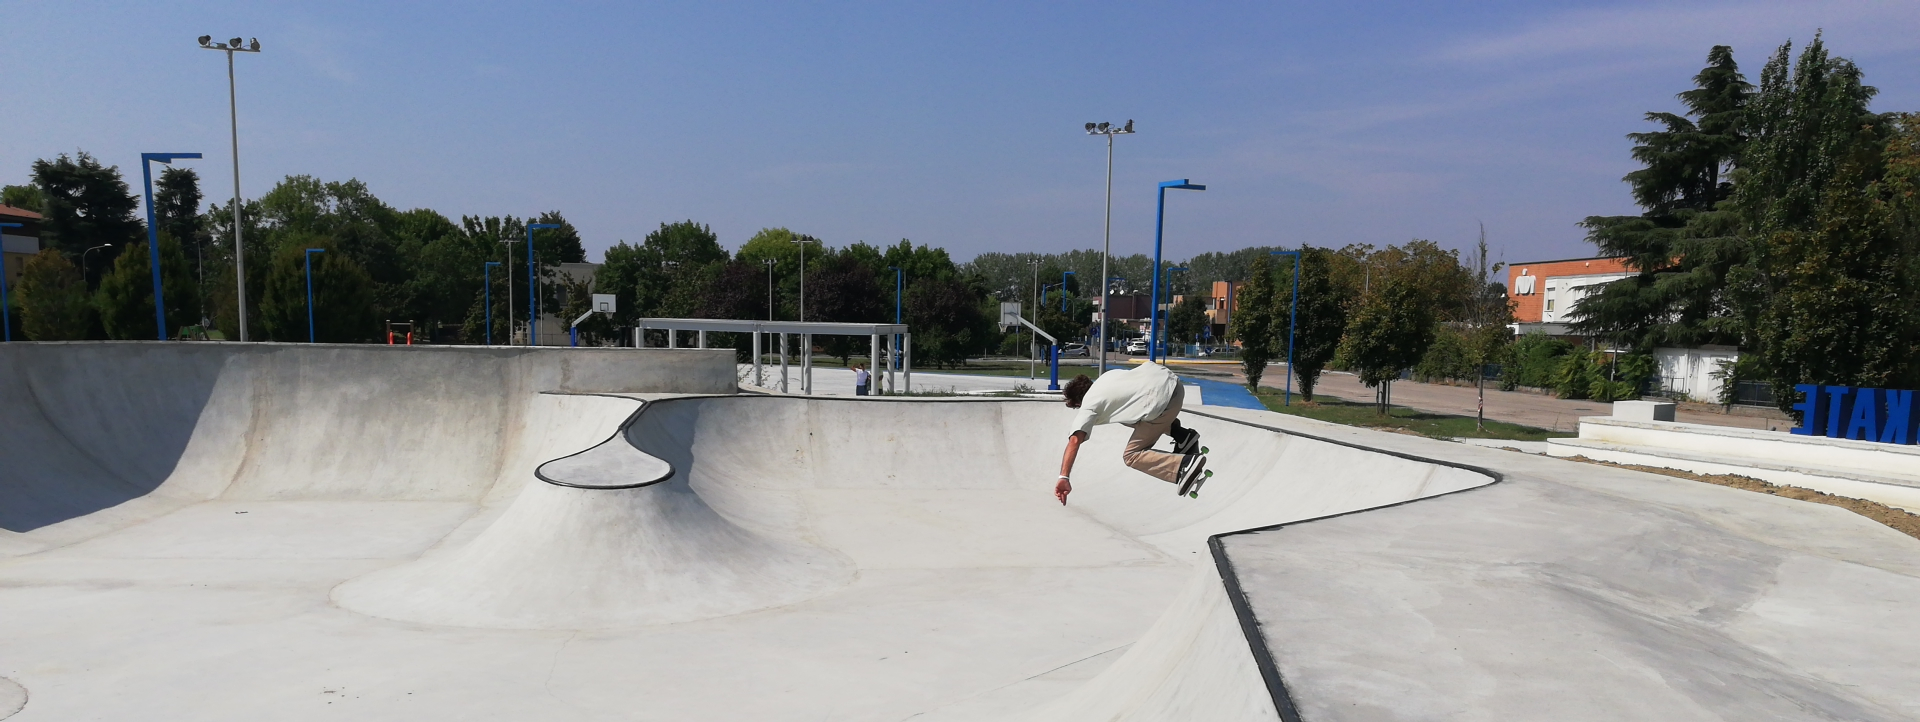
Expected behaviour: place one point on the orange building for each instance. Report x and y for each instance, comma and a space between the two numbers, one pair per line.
1544, 292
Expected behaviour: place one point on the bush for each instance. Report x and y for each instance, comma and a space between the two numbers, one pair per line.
1532, 360
1601, 376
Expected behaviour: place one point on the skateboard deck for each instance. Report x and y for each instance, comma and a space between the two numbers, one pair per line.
1195, 477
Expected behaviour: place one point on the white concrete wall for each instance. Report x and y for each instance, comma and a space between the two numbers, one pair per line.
1690, 370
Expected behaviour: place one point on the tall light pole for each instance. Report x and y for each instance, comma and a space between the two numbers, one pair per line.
6, 315
1293, 319
487, 273
1159, 223
899, 280
1156, 303
1106, 310
803, 241
233, 122
533, 287
1063, 289
1033, 342
769, 263
310, 253
153, 232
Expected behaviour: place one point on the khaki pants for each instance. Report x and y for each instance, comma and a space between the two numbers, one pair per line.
1140, 454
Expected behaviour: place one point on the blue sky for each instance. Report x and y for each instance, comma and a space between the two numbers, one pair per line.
954, 124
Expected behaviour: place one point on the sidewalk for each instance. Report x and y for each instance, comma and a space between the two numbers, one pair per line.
1518, 407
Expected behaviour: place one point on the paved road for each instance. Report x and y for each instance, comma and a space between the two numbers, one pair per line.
1518, 407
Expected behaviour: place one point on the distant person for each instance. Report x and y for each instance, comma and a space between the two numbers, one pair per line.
860, 379
1146, 399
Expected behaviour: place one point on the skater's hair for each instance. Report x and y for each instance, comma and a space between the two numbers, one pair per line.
1076, 390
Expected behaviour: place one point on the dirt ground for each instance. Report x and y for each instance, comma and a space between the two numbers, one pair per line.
1517, 407
1899, 520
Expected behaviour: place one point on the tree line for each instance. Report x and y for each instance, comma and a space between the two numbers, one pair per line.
1782, 218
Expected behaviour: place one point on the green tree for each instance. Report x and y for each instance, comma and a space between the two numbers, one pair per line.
24, 197
54, 305
1828, 270
343, 310
1388, 333
85, 204
1252, 321
1188, 319
125, 296
948, 320
1320, 321
1684, 244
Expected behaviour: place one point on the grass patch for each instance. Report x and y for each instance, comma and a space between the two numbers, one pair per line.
1400, 419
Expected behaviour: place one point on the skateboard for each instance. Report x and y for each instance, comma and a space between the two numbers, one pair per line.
1195, 477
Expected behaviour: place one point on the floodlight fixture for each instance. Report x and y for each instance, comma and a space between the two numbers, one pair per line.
205, 40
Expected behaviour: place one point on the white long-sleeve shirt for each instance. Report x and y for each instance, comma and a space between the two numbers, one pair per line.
1126, 397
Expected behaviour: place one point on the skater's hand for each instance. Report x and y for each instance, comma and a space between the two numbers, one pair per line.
1061, 490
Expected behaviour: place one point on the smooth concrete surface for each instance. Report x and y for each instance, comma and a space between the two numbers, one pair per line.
807, 558
1574, 592
866, 559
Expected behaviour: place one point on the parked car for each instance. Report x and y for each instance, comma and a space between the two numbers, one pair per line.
1074, 350
1137, 346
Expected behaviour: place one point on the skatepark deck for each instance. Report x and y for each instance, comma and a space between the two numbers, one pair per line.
226, 531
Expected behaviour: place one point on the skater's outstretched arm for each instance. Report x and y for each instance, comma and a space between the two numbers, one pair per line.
1065, 487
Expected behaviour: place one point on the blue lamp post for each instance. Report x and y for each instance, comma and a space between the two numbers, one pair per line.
6, 315
533, 286
1063, 290
1156, 305
310, 253
153, 233
1293, 318
899, 280
487, 273
1159, 224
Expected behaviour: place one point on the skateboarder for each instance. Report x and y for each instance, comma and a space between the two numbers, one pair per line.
1147, 399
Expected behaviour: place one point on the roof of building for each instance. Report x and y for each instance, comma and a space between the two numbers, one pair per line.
19, 213
1567, 260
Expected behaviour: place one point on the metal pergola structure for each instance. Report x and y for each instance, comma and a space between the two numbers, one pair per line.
901, 360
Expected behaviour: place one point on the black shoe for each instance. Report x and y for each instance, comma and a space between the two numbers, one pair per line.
1185, 440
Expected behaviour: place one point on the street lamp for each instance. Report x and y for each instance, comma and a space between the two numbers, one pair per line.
6, 315
769, 263
533, 286
1063, 289
83, 258
1156, 303
310, 253
1159, 223
899, 280
1033, 342
153, 232
1109, 130
803, 241
487, 273
1293, 318
233, 120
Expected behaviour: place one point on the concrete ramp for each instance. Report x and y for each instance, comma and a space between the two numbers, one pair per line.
238, 532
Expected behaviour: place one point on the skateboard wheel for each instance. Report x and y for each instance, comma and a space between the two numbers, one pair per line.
1204, 450
1193, 494
1209, 473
